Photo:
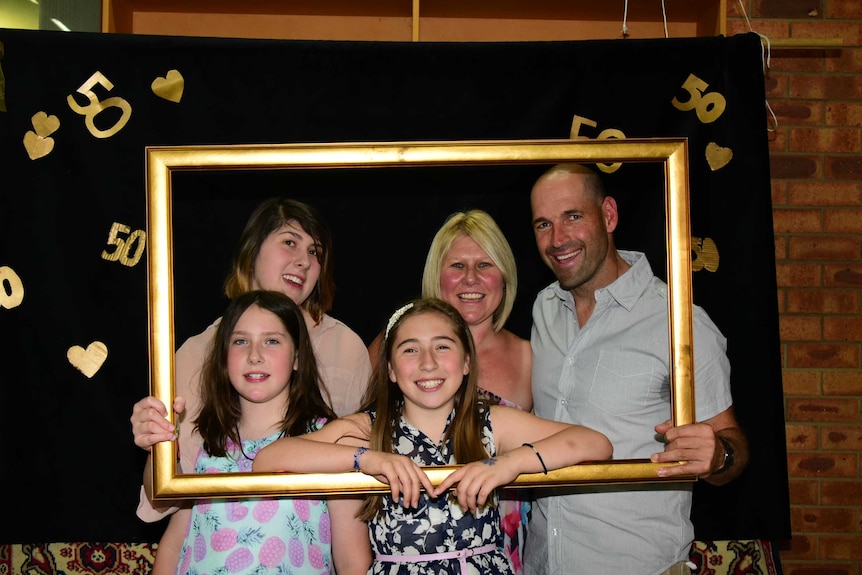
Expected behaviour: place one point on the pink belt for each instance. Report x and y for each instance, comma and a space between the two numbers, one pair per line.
461, 556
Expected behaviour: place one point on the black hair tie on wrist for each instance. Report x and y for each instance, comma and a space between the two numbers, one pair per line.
539, 455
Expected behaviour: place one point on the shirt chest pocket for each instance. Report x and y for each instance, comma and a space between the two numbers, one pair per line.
623, 382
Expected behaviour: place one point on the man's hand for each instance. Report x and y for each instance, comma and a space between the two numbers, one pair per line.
698, 446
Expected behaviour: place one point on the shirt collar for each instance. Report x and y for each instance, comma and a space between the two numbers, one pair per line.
626, 289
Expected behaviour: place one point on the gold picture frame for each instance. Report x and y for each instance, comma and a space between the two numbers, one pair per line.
161, 162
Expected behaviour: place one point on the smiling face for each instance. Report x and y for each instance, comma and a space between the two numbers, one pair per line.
288, 263
261, 357
428, 363
573, 227
470, 281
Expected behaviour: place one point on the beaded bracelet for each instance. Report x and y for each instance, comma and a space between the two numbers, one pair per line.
356, 455
539, 455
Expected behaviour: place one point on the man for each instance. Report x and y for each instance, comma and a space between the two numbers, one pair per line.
601, 359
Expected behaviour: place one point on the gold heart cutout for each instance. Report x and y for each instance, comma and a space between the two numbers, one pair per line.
717, 157
44, 124
37, 146
170, 87
89, 360
706, 254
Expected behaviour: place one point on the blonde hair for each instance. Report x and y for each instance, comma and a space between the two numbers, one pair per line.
479, 226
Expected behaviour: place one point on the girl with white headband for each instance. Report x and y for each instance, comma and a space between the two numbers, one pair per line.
423, 410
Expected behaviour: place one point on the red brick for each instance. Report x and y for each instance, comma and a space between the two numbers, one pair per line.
829, 87
796, 220
849, 32
824, 355
844, 114
845, 438
796, 328
736, 26
824, 140
800, 547
804, 492
802, 437
807, 61
843, 221
822, 301
844, 167
848, 493
782, 301
819, 464
777, 85
824, 248
844, 60
785, 9
842, 382
792, 112
779, 193
844, 10
841, 547
842, 329
773, 29
798, 275
780, 248
838, 275
800, 382
824, 194
829, 520
777, 140
794, 167
822, 409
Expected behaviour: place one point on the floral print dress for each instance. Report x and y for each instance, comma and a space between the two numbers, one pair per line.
437, 525
514, 506
284, 535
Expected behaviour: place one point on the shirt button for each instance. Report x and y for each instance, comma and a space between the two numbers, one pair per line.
563, 402
571, 361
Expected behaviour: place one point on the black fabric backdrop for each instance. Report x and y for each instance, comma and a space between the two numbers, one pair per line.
70, 470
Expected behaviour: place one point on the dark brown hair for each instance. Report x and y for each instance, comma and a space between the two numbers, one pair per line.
220, 413
267, 218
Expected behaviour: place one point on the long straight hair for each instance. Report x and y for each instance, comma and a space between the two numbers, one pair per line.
221, 410
387, 399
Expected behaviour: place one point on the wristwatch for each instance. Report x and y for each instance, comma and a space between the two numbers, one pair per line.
728, 456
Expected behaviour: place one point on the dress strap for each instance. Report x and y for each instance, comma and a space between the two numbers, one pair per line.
460, 555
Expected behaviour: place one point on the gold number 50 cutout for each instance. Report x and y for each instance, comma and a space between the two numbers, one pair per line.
708, 106
123, 251
95, 107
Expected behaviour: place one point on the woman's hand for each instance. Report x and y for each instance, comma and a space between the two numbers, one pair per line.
477, 480
406, 479
150, 424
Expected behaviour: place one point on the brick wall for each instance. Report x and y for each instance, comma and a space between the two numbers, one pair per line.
816, 168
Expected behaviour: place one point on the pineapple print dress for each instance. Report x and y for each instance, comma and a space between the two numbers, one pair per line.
423, 541
255, 535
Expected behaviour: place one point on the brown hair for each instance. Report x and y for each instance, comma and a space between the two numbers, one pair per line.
386, 398
267, 218
592, 181
220, 413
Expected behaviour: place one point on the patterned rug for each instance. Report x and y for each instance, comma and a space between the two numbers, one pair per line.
736, 557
